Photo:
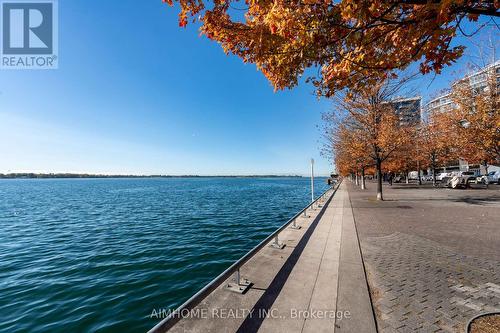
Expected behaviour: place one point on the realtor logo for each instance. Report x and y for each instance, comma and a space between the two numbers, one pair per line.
29, 34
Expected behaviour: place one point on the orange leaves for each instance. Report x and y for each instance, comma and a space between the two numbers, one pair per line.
370, 130
354, 42
445, 10
475, 119
182, 20
473, 17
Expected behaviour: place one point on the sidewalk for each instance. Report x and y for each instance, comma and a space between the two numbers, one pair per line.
315, 284
432, 255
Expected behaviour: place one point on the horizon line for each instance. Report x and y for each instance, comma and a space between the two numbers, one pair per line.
125, 175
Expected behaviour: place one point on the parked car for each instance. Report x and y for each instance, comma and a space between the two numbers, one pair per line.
446, 179
440, 176
482, 179
413, 175
427, 178
470, 176
494, 177
460, 179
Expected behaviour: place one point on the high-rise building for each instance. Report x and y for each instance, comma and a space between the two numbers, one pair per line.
477, 80
442, 103
408, 109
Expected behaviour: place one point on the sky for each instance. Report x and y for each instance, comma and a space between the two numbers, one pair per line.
136, 94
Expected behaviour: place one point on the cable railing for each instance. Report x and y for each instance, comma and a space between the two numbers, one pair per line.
241, 285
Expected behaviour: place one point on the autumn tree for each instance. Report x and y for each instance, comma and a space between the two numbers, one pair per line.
405, 158
475, 117
344, 161
371, 130
346, 146
352, 141
437, 142
353, 43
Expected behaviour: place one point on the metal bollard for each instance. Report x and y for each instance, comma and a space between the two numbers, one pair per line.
239, 286
237, 277
276, 244
294, 225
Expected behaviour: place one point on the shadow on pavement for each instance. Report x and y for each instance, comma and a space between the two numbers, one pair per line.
252, 323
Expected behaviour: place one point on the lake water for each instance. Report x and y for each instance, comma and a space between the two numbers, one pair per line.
98, 255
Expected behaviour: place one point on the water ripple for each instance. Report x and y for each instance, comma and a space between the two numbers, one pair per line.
98, 255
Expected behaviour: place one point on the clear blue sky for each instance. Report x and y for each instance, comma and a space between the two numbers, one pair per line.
136, 94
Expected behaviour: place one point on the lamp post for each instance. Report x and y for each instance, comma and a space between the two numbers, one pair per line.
312, 179
418, 156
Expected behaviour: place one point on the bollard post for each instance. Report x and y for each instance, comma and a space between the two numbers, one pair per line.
312, 180
237, 277
294, 225
239, 286
276, 244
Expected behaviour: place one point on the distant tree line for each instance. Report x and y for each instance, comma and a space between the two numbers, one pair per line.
28, 175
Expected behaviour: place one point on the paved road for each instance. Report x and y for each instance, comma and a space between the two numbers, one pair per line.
432, 255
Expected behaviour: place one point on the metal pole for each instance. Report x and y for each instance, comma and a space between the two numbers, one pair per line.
294, 224
276, 244
418, 161
237, 278
312, 179
240, 286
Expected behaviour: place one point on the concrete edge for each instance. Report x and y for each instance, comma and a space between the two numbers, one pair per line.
353, 290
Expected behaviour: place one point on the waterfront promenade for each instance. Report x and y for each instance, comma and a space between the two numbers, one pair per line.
432, 254
316, 283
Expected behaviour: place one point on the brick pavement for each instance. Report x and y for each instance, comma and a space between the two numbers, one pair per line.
432, 256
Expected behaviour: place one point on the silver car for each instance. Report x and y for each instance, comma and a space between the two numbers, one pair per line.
493, 177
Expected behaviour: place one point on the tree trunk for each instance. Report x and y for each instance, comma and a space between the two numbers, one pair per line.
433, 173
418, 173
357, 180
407, 180
363, 185
486, 171
378, 165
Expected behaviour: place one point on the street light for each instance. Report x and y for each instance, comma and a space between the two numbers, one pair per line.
312, 179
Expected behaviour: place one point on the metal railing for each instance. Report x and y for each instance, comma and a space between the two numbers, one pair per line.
174, 316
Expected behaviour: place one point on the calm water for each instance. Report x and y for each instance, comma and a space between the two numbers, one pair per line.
100, 254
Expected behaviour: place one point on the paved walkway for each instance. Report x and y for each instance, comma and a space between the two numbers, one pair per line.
315, 284
432, 255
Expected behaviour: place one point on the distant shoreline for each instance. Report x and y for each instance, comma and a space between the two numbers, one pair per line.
77, 175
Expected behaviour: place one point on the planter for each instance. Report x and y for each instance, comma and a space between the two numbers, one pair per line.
484, 323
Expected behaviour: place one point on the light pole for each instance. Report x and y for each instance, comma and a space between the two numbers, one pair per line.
312, 180
418, 156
